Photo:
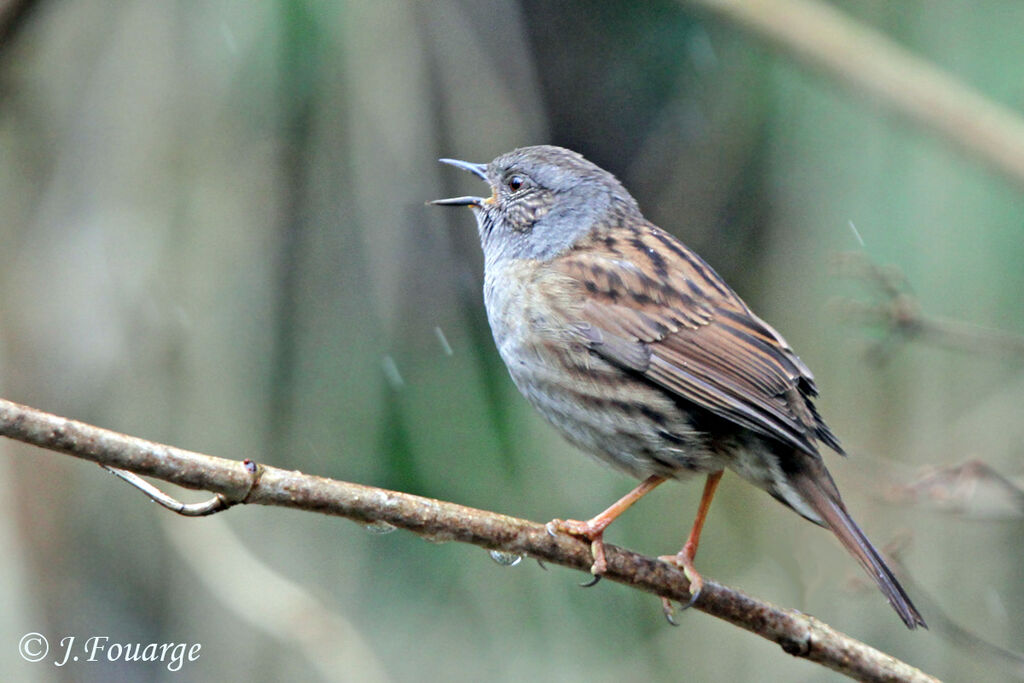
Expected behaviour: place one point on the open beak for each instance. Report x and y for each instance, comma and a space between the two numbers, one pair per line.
479, 170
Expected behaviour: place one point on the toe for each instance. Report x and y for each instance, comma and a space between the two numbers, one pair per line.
685, 564
587, 531
696, 585
669, 612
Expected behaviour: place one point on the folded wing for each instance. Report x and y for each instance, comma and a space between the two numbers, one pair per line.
655, 307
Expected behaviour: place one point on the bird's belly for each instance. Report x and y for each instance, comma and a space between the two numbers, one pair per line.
601, 408
607, 412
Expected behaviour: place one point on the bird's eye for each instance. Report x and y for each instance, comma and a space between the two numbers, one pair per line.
515, 183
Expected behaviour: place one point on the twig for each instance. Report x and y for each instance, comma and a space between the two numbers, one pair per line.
287, 611
212, 506
869, 62
798, 634
972, 489
899, 313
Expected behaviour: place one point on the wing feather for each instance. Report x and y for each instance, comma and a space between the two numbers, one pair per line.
655, 307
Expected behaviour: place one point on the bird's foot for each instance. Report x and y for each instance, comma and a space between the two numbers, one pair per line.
591, 530
684, 561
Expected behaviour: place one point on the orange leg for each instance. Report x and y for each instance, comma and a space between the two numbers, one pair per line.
593, 529
684, 558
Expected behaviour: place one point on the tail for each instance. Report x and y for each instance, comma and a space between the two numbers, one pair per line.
820, 493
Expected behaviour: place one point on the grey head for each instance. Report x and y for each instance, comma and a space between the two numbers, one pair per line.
544, 199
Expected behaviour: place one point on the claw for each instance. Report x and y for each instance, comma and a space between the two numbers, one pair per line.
592, 582
696, 584
669, 611
685, 563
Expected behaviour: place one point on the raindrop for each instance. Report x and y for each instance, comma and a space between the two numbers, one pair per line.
379, 528
856, 233
443, 340
505, 559
391, 373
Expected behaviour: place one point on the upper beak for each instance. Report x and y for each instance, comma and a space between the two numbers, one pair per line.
479, 170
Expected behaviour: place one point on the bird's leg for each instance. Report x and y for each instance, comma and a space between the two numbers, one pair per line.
684, 558
593, 529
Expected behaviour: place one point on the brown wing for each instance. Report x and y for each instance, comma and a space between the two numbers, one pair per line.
655, 307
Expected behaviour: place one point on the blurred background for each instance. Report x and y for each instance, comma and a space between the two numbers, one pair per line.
214, 235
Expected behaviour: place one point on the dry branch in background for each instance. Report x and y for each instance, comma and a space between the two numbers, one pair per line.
973, 489
897, 311
237, 482
871, 63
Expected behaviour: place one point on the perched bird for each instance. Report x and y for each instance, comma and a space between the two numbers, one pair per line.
638, 352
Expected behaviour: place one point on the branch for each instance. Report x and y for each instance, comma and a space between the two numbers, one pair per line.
237, 482
871, 63
897, 311
973, 489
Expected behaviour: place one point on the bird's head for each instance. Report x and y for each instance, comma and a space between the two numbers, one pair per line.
544, 199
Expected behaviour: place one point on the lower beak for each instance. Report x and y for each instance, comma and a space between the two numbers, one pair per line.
479, 170
459, 201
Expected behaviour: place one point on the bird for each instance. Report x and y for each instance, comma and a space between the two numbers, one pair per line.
638, 352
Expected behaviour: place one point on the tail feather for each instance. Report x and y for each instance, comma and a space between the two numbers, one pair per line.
824, 499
